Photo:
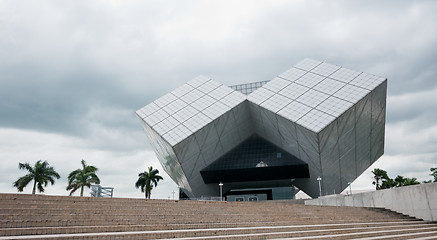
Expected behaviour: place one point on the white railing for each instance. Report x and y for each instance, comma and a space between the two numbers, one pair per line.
99, 191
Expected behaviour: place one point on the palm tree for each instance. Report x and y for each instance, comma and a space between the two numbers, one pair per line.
434, 173
81, 178
379, 175
146, 180
41, 174
400, 181
411, 181
388, 183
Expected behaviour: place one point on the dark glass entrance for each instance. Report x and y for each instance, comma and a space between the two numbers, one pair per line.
255, 159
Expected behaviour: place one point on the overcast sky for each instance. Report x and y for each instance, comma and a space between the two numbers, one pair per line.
72, 74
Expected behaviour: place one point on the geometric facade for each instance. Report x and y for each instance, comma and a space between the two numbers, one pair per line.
315, 119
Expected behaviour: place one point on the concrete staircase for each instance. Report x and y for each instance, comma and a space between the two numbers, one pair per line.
58, 217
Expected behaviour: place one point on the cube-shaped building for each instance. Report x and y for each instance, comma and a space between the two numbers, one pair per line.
314, 120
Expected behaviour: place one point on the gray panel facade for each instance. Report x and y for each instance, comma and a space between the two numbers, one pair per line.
330, 117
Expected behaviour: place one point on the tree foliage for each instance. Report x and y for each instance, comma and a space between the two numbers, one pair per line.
434, 173
388, 183
81, 178
41, 174
400, 181
383, 181
147, 180
380, 177
411, 181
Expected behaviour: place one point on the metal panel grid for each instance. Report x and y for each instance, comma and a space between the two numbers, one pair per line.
308, 142
156, 117
315, 120
288, 135
248, 88
176, 135
220, 92
164, 100
276, 103
351, 93
294, 111
293, 91
199, 80
367, 81
307, 64
260, 95
345, 75
182, 90
203, 102
277, 84
271, 127
310, 80
312, 98
329, 86
229, 135
140, 114
166, 156
208, 86
325, 69
185, 113
312, 103
334, 106
207, 138
233, 99
166, 125
192, 96
312, 74
188, 108
216, 110
196, 122
292, 74
148, 110
187, 149
175, 106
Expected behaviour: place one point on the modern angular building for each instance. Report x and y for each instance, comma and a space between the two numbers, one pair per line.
315, 120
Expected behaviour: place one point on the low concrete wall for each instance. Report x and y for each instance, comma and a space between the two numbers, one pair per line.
418, 201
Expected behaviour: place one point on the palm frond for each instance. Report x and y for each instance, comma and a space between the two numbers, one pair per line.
42, 173
147, 180
22, 182
40, 187
27, 167
82, 177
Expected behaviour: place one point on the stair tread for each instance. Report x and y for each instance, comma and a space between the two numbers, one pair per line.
43, 216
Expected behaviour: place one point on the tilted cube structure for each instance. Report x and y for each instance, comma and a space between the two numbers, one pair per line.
314, 120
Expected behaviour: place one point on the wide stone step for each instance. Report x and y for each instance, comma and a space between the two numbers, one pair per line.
85, 222
163, 205
61, 217
133, 215
428, 235
176, 209
131, 228
416, 234
292, 232
105, 221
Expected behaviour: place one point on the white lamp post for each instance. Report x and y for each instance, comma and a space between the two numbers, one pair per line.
221, 191
320, 186
350, 187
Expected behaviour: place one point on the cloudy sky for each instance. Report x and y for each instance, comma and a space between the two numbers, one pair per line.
72, 74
